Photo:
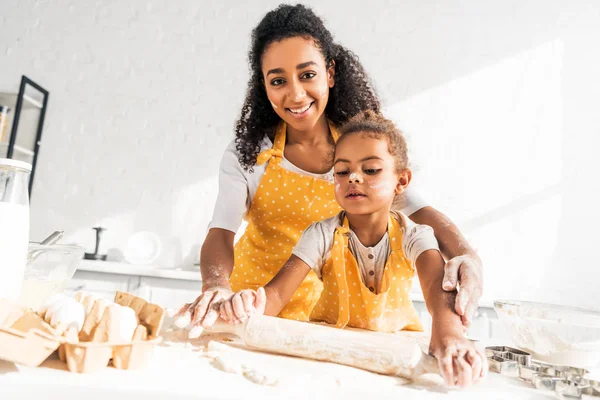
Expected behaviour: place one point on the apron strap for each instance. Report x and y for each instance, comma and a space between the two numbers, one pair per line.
335, 134
340, 245
279, 143
395, 233
277, 149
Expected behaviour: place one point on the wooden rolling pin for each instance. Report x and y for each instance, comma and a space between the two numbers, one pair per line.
382, 353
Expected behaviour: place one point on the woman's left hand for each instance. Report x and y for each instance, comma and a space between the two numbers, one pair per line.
466, 272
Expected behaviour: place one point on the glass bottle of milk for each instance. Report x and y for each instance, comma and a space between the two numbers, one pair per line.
14, 225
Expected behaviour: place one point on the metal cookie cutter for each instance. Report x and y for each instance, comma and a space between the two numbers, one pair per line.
572, 388
566, 381
527, 373
563, 381
507, 360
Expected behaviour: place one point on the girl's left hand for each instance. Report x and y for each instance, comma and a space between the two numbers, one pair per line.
242, 305
461, 362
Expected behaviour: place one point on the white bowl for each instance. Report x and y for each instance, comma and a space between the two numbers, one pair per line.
143, 248
552, 333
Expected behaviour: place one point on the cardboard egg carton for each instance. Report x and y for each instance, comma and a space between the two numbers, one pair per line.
25, 338
97, 343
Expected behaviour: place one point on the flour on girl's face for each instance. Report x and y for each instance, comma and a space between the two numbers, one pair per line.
384, 189
273, 104
355, 177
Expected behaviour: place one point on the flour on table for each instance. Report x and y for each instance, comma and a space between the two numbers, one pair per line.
277, 370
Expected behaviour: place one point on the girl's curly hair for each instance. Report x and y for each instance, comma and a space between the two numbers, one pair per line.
375, 125
351, 94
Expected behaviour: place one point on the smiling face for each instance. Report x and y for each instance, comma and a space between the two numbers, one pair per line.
297, 81
366, 179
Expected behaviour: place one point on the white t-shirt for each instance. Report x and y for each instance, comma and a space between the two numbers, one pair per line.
237, 188
314, 247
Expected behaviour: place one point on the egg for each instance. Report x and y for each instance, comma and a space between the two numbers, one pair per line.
55, 306
128, 322
70, 314
48, 302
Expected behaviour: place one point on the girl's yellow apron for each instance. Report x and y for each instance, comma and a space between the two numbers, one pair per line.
284, 205
346, 301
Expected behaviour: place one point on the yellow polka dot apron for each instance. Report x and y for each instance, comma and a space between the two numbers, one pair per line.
346, 301
284, 205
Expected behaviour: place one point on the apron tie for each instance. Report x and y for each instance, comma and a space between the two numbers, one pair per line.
266, 155
339, 247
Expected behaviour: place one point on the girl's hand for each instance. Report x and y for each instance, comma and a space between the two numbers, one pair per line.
461, 362
242, 305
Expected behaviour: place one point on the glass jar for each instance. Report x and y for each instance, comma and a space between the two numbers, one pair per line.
14, 225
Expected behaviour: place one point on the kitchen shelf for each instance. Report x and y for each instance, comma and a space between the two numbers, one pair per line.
10, 99
18, 149
121, 268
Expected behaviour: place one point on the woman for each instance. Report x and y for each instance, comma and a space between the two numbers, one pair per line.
277, 173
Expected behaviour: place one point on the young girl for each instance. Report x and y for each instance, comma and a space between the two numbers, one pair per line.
277, 174
366, 255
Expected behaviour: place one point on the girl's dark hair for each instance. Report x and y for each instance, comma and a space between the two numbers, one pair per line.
375, 125
351, 94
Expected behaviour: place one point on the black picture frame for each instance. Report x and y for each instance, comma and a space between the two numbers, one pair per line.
25, 82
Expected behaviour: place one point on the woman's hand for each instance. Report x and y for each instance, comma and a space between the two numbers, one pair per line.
467, 272
461, 362
204, 311
242, 305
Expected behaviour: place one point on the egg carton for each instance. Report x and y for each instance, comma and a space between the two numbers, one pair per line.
25, 338
92, 355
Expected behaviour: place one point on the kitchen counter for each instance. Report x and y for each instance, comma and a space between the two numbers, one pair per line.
178, 370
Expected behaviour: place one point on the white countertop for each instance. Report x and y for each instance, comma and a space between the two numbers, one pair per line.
179, 371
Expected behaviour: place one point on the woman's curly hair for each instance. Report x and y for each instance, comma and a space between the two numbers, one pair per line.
351, 94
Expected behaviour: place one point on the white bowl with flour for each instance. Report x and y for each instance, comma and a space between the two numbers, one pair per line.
552, 333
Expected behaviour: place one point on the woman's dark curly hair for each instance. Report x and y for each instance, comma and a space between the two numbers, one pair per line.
351, 94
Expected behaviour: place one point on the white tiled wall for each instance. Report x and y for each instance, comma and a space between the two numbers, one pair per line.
498, 100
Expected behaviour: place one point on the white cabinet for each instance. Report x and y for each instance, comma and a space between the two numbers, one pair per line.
101, 284
166, 287
169, 293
